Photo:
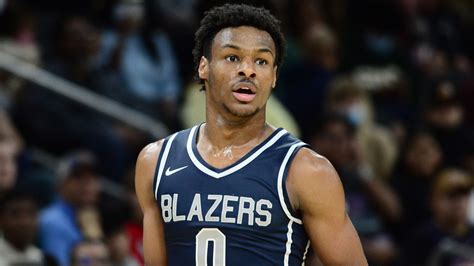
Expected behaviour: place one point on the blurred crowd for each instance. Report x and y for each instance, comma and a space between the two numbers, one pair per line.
383, 89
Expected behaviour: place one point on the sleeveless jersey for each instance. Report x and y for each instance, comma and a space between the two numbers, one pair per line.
237, 215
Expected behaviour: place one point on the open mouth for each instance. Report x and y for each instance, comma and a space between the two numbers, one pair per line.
244, 94
244, 90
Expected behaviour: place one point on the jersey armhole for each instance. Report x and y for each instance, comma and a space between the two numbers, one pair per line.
161, 162
282, 176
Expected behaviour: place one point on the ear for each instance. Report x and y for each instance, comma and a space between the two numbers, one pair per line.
274, 77
203, 69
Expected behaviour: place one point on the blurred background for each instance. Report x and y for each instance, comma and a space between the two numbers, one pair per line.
382, 88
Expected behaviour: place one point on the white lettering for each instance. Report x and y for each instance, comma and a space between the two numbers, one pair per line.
217, 200
177, 217
226, 208
246, 210
223, 208
263, 212
166, 208
196, 209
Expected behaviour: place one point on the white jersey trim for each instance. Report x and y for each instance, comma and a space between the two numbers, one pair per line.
280, 182
163, 159
305, 253
289, 242
235, 168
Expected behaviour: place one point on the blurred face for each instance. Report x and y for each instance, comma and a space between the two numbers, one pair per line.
450, 207
446, 116
91, 254
335, 143
83, 190
320, 46
80, 40
19, 222
118, 245
240, 73
8, 166
423, 156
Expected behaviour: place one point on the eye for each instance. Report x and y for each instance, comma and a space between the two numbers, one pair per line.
232, 58
261, 62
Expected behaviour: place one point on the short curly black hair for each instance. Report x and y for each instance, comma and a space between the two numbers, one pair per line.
235, 15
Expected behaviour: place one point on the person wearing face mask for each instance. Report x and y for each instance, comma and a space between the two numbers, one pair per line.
377, 144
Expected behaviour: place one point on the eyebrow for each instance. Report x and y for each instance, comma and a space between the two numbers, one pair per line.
261, 50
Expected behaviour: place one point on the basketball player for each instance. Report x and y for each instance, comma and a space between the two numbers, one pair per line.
235, 190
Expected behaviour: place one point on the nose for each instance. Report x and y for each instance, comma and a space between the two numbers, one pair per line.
247, 69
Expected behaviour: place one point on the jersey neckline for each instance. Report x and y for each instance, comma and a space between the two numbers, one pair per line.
203, 166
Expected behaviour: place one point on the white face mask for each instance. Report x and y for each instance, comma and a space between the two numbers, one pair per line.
357, 113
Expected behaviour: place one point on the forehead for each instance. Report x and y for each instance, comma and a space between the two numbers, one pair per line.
245, 37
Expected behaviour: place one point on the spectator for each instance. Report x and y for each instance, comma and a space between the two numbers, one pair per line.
448, 238
378, 145
304, 84
118, 244
143, 57
18, 223
72, 217
369, 200
444, 114
420, 158
90, 253
38, 112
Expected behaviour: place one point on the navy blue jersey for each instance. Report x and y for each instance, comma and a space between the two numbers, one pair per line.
237, 215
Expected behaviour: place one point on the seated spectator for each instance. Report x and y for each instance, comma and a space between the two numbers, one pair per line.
50, 121
377, 144
369, 200
419, 160
142, 56
448, 238
90, 253
118, 244
444, 114
72, 217
303, 85
19, 224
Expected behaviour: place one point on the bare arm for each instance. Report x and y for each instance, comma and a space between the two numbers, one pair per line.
153, 235
316, 191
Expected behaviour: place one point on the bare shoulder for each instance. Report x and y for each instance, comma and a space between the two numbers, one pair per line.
146, 164
313, 180
149, 154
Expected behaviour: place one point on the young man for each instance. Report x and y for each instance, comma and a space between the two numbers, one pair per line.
257, 193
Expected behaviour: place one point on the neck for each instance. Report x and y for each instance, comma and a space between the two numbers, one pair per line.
223, 132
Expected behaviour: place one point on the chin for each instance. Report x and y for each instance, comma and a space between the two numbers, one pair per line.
245, 111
